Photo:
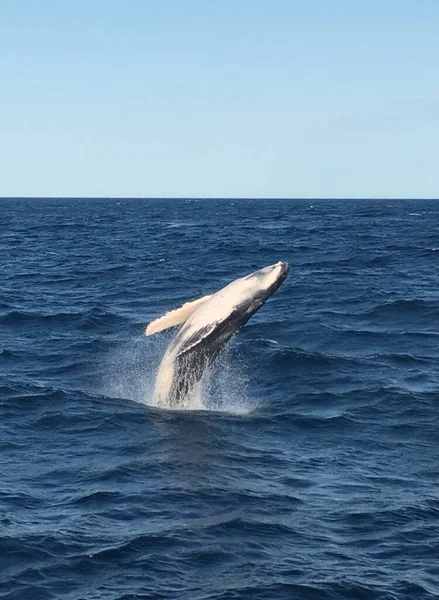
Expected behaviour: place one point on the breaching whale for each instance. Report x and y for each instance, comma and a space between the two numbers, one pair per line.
207, 325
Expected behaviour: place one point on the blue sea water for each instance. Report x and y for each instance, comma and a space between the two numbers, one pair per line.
313, 470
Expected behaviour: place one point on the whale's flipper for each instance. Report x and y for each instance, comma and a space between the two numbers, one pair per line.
175, 317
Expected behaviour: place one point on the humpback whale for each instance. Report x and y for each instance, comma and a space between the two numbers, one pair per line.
207, 324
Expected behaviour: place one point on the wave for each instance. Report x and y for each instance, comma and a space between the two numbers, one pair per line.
94, 317
411, 307
299, 357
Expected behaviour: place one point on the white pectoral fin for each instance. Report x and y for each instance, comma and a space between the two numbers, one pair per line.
175, 317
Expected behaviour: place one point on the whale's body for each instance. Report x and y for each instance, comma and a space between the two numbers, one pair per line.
208, 324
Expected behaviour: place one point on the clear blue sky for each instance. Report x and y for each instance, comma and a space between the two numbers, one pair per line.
325, 98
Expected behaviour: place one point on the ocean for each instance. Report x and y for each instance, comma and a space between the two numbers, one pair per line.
311, 470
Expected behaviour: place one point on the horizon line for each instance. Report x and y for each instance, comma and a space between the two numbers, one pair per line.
292, 198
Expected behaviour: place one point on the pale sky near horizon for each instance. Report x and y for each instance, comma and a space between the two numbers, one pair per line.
219, 99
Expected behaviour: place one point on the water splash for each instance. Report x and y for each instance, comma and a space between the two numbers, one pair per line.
227, 384
132, 370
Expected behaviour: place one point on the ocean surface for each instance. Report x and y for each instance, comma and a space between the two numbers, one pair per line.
312, 471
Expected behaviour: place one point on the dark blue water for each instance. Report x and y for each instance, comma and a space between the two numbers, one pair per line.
314, 470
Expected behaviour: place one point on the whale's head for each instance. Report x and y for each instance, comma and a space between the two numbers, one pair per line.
231, 307
263, 283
